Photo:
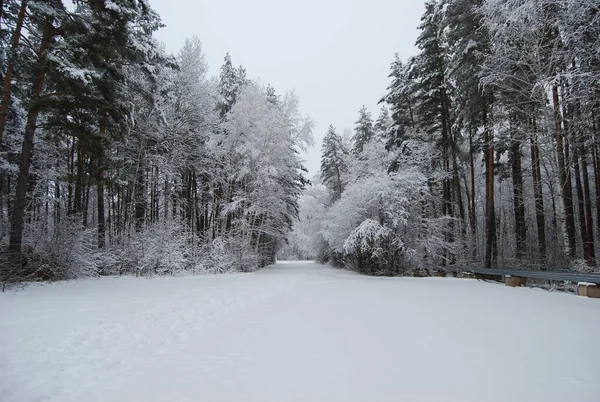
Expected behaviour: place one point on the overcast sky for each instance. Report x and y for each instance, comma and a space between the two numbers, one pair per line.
335, 54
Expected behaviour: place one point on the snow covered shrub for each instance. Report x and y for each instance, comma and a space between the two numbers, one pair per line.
68, 252
383, 224
375, 249
373, 224
157, 250
216, 258
227, 255
582, 266
245, 258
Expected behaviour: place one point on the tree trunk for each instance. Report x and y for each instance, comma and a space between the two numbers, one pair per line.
71, 174
10, 67
564, 175
86, 200
57, 196
518, 199
491, 242
580, 199
101, 221
596, 161
17, 218
140, 195
100, 190
472, 200
79, 184
539, 200
589, 250
597, 180
458, 192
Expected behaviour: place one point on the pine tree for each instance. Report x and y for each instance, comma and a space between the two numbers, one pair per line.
231, 81
363, 131
44, 16
333, 163
400, 99
433, 93
382, 123
469, 43
11, 63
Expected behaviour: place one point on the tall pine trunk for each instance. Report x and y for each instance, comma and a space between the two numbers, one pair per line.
518, 199
589, 249
491, 241
472, 205
79, 182
580, 199
100, 189
596, 161
10, 66
17, 218
564, 175
539, 199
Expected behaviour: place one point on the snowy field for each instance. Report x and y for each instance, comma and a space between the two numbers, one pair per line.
296, 332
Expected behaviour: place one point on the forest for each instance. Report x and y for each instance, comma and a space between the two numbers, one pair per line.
486, 151
117, 157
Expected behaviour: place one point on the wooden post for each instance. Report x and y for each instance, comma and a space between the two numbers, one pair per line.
514, 281
588, 290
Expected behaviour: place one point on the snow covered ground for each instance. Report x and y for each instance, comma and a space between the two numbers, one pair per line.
296, 332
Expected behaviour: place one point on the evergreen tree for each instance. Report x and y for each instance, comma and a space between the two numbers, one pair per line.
333, 163
400, 99
231, 81
363, 131
382, 123
469, 43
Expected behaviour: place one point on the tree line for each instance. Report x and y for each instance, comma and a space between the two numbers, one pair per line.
486, 152
117, 157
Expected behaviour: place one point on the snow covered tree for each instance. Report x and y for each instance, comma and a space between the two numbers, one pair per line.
363, 131
400, 100
230, 84
383, 123
333, 163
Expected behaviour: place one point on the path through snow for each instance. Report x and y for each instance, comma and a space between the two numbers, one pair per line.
296, 332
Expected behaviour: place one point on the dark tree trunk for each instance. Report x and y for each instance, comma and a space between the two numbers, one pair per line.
518, 199
580, 199
10, 66
564, 175
140, 200
71, 175
539, 199
57, 196
447, 151
597, 180
458, 192
101, 218
17, 218
589, 250
86, 200
79, 182
100, 190
491, 242
472, 205
596, 162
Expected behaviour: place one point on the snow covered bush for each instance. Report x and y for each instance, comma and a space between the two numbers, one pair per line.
157, 250
67, 252
581, 265
374, 249
383, 224
227, 255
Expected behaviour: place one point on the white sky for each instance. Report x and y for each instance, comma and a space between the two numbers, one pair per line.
335, 54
